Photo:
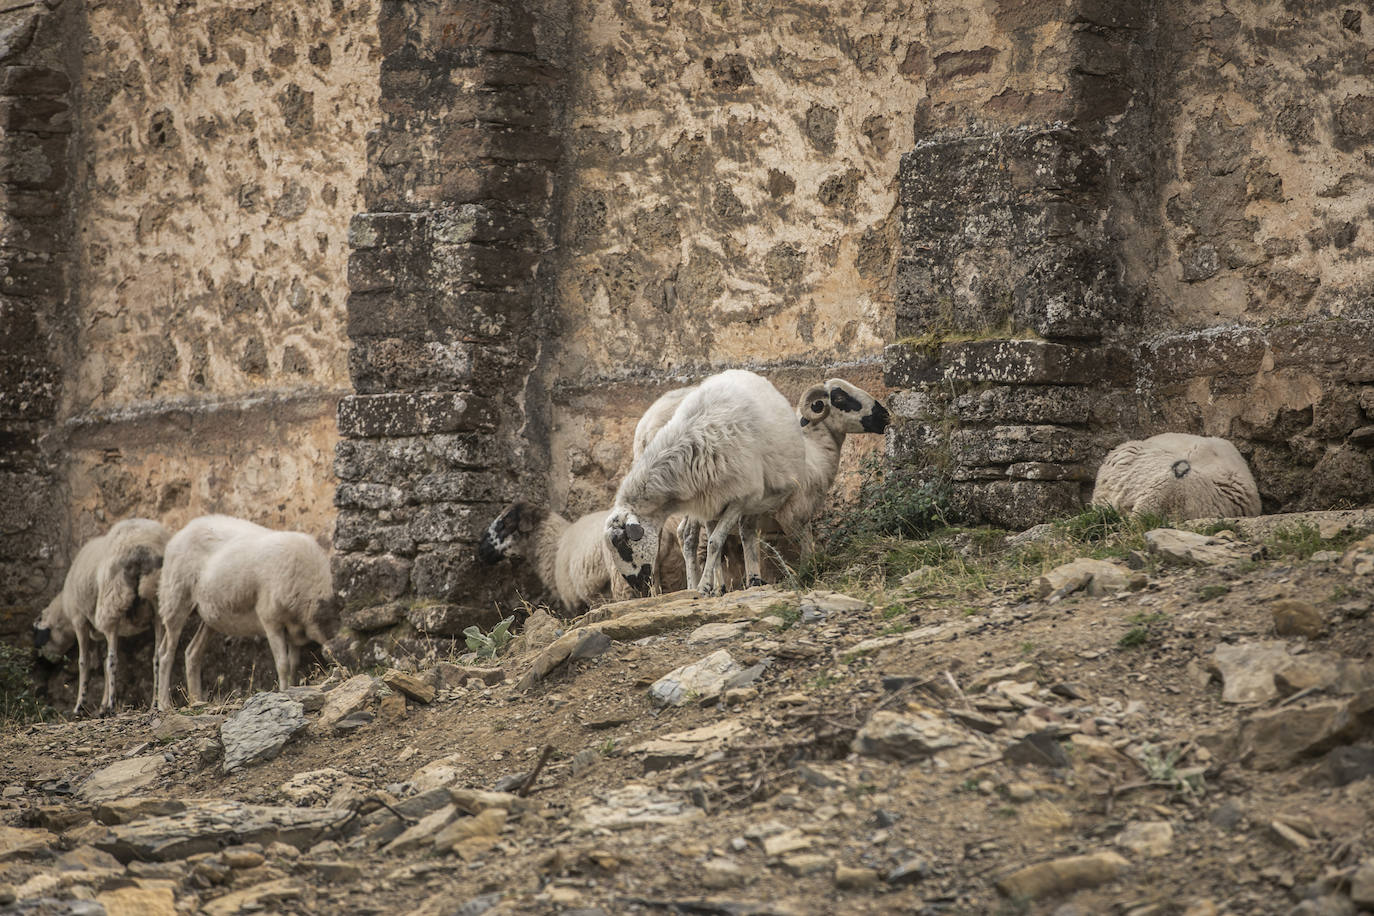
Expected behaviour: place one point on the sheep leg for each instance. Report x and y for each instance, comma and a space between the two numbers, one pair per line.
749, 541
281, 654
107, 703
170, 632
713, 581
158, 638
83, 662
195, 651
293, 663
688, 535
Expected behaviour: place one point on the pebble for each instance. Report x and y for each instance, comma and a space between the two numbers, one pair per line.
806, 864
909, 872
718, 874
848, 878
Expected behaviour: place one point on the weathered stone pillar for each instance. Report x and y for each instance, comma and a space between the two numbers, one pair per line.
35, 228
446, 308
1011, 288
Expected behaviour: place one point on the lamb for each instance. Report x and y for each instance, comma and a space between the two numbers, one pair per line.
1177, 475
571, 558
731, 451
242, 580
110, 590
827, 414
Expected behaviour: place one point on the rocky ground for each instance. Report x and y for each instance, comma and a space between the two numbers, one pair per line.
1183, 727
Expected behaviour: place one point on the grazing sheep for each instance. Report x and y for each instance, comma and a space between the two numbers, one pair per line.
827, 414
111, 590
570, 558
732, 450
1177, 475
241, 579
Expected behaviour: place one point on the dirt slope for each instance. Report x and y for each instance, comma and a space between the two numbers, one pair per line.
907, 757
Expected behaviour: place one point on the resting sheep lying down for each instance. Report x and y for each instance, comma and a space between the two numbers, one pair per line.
827, 414
242, 580
1177, 475
570, 558
110, 590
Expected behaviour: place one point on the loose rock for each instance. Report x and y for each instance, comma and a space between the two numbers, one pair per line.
700, 681
1093, 577
260, 730
1062, 876
349, 697
1150, 839
1297, 618
420, 689
1189, 549
123, 778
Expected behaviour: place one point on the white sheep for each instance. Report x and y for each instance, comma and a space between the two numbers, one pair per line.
111, 590
1177, 475
732, 451
570, 558
827, 414
242, 580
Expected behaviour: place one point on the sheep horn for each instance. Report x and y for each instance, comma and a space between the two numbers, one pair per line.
807, 405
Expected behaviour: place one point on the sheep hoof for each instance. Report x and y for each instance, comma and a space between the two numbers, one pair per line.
105, 712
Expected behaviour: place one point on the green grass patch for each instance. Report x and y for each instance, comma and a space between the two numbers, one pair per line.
1208, 592
1301, 540
18, 702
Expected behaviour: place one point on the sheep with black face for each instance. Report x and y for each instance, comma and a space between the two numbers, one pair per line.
572, 559
732, 450
827, 414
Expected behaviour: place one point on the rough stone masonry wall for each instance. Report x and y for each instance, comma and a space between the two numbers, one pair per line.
1175, 241
446, 312
729, 199
221, 154
35, 185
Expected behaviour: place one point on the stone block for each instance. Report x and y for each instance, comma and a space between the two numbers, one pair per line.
392, 364
1214, 351
974, 447
33, 81
464, 486
374, 531
441, 523
413, 414
368, 496
487, 141
911, 365
1033, 404
45, 115
449, 572
382, 578
397, 459
1034, 362
486, 25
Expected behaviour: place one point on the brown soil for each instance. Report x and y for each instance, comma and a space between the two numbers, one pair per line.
969, 824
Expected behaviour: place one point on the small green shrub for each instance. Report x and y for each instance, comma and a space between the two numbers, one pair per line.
489, 645
1208, 592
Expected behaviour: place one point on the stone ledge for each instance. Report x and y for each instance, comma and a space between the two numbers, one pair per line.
370, 416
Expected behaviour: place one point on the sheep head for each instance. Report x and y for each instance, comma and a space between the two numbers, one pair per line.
505, 535
634, 547
52, 632
842, 408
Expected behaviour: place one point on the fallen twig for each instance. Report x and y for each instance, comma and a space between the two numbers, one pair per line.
528, 782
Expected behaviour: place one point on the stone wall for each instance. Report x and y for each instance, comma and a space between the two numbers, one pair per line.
447, 308
35, 234
729, 199
1172, 243
221, 154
